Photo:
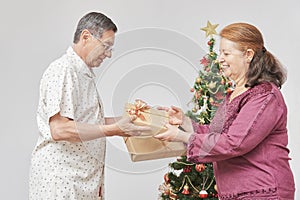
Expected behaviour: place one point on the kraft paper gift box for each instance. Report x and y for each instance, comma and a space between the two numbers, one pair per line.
145, 146
147, 116
149, 148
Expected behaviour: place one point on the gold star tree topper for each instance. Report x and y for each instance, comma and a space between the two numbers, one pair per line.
210, 29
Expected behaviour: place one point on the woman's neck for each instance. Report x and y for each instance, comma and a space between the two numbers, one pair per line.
240, 82
240, 87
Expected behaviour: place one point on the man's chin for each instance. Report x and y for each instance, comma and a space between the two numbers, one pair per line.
96, 65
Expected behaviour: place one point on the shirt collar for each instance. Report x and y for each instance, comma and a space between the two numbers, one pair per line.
79, 64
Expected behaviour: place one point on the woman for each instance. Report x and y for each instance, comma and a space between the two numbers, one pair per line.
247, 139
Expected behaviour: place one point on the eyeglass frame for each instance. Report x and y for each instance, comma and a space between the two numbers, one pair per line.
107, 48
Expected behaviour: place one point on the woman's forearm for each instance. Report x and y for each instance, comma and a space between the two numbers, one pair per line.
187, 124
183, 136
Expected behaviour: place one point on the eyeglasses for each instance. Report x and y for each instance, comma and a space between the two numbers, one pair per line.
107, 48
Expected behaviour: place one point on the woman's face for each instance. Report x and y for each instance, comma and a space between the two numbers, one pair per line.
234, 62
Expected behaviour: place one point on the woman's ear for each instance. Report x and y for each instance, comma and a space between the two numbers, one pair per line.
249, 54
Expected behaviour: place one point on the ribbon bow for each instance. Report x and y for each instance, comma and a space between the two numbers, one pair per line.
138, 108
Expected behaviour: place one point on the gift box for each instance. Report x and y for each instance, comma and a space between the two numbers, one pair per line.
145, 146
147, 116
149, 148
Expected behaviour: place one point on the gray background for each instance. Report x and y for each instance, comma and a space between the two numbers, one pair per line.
34, 33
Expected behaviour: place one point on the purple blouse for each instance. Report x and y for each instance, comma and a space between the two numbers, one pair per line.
247, 143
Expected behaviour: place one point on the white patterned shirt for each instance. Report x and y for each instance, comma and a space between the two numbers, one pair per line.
61, 169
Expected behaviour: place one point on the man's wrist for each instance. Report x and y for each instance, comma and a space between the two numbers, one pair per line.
111, 129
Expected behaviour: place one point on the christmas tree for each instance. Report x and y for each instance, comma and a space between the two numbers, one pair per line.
186, 180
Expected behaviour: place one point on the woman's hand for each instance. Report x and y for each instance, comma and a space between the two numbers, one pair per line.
176, 115
173, 134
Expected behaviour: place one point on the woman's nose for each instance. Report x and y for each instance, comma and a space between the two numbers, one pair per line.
220, 59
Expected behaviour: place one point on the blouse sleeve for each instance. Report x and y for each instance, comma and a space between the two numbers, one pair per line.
254, 122
200, 128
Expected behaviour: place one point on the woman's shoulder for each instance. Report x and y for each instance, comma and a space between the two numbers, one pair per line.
263, 90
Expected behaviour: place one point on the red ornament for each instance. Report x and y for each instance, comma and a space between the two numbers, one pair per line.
192, 89
209, 43
200, 167
229, 90
187, 169
203, 194
197, 95
219, 95
173, 195
204, 61
185, 190
166, 178
167, 192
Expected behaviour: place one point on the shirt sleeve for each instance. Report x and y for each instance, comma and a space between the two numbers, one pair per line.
59, 94
255, 121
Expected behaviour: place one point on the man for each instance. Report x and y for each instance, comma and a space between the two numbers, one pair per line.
68, 160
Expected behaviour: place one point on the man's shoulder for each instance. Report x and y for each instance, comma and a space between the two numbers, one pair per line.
59, 66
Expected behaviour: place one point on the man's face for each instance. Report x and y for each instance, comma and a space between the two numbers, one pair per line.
99, 49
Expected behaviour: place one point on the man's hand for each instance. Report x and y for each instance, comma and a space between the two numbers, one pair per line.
127, 128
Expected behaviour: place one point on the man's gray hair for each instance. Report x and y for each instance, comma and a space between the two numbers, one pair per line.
96, 23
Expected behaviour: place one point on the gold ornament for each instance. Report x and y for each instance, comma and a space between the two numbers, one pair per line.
210, 29
212, 85
216, 188
202, 120
212, 54
198, 80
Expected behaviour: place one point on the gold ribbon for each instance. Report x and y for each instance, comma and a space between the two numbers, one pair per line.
138, 108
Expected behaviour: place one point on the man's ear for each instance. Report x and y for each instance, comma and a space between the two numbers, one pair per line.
85, 35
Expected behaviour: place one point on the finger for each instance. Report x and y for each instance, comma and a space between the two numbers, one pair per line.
143, 128
134, 133
162, 137
172, 112
168, 126
176, 108
172, 121
132, 117
126, 135
159, 136
163, 108
175, 121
